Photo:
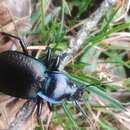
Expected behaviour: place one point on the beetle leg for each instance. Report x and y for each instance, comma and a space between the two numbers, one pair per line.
20, 41
48, 57
50, 106
56, 63
39, 108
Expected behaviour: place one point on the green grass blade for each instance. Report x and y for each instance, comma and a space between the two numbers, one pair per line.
115, 103
70, 117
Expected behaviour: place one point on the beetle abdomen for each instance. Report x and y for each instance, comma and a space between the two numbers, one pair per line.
20, 75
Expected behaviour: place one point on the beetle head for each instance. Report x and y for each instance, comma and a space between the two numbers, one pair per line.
58, 86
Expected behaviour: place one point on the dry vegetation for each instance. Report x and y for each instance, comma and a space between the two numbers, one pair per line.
93, 38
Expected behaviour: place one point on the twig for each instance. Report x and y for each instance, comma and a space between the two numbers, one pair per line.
40, 47
22, 115
89, 24
48, 121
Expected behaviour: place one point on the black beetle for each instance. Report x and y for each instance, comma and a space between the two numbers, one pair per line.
24, 76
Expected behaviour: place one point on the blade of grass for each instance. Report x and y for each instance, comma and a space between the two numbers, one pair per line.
69, 115
97, 38
115, 103
42, 10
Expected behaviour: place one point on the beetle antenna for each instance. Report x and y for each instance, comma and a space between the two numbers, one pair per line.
19, 39
80, 109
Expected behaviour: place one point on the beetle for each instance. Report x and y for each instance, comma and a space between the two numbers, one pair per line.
24, 76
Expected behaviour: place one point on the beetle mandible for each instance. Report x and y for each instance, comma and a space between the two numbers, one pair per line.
24, 76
